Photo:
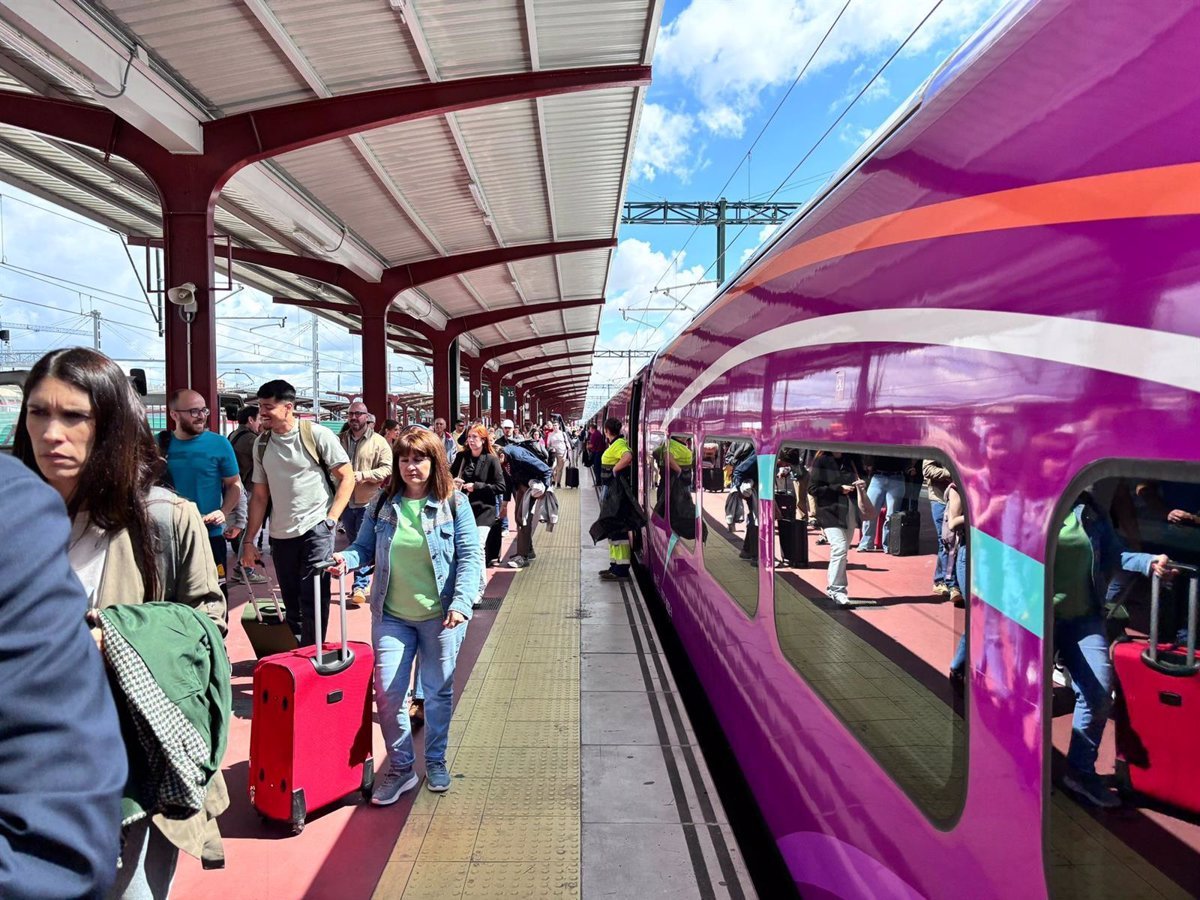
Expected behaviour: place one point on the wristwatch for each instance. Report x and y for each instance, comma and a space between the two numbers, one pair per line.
332, 523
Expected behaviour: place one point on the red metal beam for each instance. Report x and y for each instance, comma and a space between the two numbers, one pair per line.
328, 305
491, 352
262, 133
517, 365
463, 324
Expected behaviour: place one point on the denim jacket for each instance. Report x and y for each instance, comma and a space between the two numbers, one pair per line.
1109, 553
453, 542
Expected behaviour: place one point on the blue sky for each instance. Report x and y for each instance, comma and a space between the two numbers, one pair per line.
721, 68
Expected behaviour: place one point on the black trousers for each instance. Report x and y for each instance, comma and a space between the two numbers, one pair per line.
297, 560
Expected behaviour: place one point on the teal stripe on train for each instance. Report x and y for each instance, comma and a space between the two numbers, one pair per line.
766, 475
1008, 580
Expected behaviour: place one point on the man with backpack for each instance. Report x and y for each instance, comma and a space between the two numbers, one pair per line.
528, 478
302, 469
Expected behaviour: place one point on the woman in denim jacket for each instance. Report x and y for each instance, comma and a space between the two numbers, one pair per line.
421, 537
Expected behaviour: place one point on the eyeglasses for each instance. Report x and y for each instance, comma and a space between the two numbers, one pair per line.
357, 415
194, 412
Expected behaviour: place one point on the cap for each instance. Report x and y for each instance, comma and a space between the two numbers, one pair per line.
507, 423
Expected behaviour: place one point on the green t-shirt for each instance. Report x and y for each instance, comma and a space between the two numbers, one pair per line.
412, 588
1072, 571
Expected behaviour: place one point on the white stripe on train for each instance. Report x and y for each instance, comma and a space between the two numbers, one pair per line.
1140, 353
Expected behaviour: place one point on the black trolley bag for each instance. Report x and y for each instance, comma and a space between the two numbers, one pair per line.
266, 625
572, 477
904, 534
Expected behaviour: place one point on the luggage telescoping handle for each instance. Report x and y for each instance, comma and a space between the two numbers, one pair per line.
1150, 655
345, 656
254, 600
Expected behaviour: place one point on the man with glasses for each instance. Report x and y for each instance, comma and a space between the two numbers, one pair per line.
371, 459
204, 469
439, 428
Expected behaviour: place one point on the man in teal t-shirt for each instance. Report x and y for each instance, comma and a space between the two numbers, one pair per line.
204, 469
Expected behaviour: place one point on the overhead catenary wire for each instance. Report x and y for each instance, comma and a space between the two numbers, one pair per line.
745, 156
828, 131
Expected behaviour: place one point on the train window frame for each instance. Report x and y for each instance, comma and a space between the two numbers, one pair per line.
689, 545
944, 823
750, 613
1089, 474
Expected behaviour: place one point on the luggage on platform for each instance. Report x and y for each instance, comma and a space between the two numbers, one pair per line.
572, 477
1158, 704
904, 534
310, 729
785, 505
265, 624
734, 508
712, 479
793, 542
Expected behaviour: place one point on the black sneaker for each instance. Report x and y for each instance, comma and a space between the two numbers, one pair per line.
610, 575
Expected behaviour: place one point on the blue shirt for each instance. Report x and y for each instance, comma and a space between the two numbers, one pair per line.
198, 466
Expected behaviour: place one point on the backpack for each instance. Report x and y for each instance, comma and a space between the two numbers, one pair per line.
163, 439
308, 442
535, 448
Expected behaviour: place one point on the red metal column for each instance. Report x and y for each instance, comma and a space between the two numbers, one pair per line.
441, 377
496, 413
374, 362
474, 366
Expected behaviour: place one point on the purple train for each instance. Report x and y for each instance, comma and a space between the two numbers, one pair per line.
1005, 283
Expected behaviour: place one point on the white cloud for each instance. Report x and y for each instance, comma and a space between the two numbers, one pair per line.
764, 233
729, 51
664, 144
637, 270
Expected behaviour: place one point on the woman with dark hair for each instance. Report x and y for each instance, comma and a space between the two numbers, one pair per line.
82, 428
478, 474
420, 534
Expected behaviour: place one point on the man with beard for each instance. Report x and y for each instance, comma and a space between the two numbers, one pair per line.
203, 468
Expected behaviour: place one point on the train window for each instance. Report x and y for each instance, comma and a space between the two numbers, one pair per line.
869, 610
1122, 566
730, 520
675, 462
655, 440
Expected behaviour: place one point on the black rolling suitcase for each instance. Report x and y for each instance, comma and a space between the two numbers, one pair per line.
266, 625
904, 534
491, 546
793, 542
712, 480
785, 505
572, 477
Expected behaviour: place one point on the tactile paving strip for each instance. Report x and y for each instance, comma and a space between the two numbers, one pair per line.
509, 827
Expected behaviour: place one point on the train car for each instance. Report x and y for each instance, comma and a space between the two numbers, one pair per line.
1003, 285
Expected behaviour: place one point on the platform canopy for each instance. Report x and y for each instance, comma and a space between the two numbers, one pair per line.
514, 182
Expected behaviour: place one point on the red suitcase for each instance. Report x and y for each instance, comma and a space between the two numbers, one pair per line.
1158, 707
310, 729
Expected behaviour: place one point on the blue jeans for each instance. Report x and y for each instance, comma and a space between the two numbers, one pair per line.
396, 642
1083, 648
960, 575
940, 573
352, 518
892, 487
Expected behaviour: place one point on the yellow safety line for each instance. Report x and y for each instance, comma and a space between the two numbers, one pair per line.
510, 824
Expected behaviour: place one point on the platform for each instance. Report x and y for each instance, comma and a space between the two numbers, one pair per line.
575, 769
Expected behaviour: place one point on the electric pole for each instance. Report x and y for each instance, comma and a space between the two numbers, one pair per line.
316, 368
708, 212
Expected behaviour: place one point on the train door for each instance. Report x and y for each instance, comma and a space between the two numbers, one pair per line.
639, 487
1122, 786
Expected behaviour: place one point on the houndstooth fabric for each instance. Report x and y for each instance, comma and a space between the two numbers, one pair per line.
172, 746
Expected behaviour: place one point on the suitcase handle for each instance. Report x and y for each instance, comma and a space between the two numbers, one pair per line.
1150, 654
343, 658
254, 600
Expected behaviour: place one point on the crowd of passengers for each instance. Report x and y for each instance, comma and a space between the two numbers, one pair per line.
116, 560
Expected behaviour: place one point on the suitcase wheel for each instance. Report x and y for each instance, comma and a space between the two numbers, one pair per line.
299, 811
368, 779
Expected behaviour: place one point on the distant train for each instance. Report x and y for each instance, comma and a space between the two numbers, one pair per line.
1005, 283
